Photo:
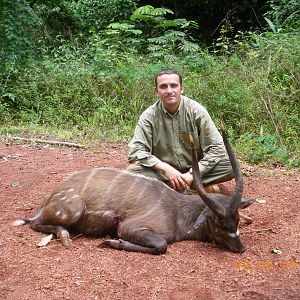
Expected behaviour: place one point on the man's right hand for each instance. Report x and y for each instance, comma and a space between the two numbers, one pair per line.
177, 180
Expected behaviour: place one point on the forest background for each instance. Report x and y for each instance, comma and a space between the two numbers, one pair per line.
83, 70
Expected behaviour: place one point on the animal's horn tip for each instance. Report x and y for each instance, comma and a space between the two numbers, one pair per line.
222, 125
191, 138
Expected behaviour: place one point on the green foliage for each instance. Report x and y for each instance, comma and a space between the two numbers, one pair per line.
103, 100
17, 36
149, 31
257, 86
96, 82
266, 149
149, 11
97, 14
283, 15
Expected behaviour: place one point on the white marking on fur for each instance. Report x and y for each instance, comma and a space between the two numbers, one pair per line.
64, 216
77, 214
234, 235
101, 213
136, 187
88, 179
75, 196
70, 190
58, 194
18, 222
139, 175
111, 186
108, 213
139, 195
58, 213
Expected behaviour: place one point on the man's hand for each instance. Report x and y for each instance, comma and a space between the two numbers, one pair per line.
177, 180
188, 178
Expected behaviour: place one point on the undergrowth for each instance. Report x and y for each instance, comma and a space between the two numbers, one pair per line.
98, 94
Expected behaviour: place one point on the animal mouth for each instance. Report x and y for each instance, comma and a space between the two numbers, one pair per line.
237, 250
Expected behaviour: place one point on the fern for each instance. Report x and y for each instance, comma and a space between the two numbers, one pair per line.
188, 47
148, 10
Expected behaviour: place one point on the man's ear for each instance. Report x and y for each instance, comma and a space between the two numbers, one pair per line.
182, 89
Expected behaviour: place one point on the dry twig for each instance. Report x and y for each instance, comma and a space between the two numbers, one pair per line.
68, 144
259, 230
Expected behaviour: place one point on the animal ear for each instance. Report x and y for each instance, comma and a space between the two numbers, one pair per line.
203, 217
245, 202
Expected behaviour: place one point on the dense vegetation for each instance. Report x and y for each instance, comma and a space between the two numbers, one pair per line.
84, 69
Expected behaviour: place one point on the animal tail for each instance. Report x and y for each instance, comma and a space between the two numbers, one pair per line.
27, 220
22, 221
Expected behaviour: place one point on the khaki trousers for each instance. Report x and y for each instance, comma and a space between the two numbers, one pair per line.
221, 172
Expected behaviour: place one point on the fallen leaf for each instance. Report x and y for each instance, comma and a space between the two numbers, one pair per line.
276, 251
45, 240
261, 201
192, 270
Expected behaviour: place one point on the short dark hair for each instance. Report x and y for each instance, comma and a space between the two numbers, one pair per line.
168, 72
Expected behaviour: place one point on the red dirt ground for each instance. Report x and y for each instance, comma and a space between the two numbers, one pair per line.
188, 270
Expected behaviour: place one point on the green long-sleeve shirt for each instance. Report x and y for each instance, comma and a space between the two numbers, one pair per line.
160, 136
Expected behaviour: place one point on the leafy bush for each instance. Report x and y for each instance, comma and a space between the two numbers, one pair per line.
283, 15
98, 89
148, 30
17, 35
97, 14
266, 149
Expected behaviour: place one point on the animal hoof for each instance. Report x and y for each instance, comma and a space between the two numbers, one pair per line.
65, 238
66, 242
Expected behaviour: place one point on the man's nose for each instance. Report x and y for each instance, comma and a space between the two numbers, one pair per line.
169, 89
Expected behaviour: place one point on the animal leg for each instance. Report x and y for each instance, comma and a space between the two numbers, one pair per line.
60, 232
140, 240
245, 202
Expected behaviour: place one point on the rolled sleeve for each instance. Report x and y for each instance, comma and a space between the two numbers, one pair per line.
140, 147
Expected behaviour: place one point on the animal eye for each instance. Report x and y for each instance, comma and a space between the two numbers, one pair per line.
222, 223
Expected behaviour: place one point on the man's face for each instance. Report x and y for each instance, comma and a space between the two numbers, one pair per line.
169, 90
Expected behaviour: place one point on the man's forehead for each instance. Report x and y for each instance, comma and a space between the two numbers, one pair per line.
167, 79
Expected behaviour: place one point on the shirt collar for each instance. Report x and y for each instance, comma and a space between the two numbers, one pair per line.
178, 110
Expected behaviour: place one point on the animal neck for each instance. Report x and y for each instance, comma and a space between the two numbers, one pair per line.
189, 208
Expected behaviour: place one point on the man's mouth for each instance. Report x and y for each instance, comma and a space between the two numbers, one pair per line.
170, 97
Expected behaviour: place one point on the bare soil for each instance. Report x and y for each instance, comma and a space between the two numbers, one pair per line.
188, 270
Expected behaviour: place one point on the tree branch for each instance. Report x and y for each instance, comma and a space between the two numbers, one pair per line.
68, 144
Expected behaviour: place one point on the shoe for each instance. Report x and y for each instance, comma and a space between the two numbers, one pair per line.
212, 188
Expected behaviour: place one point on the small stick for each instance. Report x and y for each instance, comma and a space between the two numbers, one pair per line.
68, 144
246, 218
77, 236
23, 208
259, 230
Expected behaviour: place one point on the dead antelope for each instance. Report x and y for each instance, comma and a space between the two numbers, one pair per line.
144, 214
